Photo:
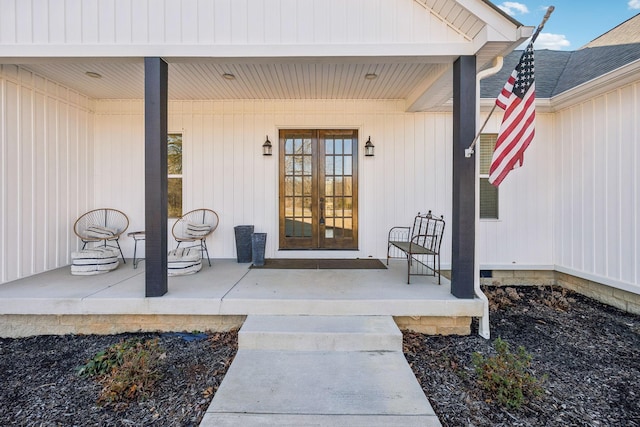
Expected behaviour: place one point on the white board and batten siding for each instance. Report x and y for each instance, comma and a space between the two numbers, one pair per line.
521, 237
597, 189
46, 171
224, 169
169, 25
573, 206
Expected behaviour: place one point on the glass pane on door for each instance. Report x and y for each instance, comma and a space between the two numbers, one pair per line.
338, 189
298, 188
318, 190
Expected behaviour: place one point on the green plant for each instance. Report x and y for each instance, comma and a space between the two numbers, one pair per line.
106, 360
507, 375
127, 370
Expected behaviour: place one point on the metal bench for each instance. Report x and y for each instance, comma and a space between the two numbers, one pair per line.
419, 244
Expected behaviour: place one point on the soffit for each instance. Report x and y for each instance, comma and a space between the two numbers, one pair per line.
336, 72
253, 80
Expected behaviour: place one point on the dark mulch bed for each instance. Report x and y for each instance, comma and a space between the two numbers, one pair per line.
590, 353
41, 387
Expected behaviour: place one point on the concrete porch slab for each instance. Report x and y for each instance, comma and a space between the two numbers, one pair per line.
230, 289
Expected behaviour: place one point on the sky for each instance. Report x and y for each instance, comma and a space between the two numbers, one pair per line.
573, 23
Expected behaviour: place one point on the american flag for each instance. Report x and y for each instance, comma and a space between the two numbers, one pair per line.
518, 124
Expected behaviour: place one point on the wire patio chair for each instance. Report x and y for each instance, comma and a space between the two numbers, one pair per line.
101, 226
196, 226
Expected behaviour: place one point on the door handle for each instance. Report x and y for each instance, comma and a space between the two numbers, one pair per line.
321, 210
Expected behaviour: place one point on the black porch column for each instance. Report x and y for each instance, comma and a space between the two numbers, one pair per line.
463, 221
155, 165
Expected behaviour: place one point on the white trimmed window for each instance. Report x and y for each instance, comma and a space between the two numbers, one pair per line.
488, 193
174, 170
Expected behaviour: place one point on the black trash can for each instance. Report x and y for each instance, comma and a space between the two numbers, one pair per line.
258, 245
243, 242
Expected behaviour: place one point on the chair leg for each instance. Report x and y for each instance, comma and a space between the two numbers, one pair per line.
135, 250
120, 249
203, 248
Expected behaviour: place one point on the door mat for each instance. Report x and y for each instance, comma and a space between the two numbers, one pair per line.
322, 264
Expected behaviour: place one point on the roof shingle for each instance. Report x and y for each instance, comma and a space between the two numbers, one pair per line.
559, 71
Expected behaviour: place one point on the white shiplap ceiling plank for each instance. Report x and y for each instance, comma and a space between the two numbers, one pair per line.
258, 80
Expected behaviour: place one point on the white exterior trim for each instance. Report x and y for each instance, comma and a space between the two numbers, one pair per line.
519, 267
605, 83
431, 52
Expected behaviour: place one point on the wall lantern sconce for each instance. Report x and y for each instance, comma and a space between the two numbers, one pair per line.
369, 148
267, 148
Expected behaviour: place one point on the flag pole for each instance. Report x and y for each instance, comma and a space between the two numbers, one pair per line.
469, 151
550, 10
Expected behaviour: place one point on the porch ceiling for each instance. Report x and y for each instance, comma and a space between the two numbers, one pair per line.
411, 62
425, 83
258, 79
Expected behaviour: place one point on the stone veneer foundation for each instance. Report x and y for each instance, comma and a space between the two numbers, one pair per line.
623, 300
23, 325
435, 325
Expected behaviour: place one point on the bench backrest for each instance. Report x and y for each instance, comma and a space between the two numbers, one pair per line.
427, 231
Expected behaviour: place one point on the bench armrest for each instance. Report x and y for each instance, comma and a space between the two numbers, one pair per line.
399, 234
426, 241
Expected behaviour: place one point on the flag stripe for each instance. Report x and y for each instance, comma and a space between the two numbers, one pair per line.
515, 135
517, 129
522, 114
503, 98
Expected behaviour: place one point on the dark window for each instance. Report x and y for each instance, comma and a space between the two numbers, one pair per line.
488, 193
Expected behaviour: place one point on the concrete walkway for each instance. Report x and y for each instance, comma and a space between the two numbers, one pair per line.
320, 371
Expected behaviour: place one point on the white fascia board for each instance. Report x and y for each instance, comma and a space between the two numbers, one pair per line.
605, 83
500, 26
489, 34
430, 95
543, 105
426, 50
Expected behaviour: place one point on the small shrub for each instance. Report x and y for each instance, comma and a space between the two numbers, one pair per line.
106, 360
127, 371
500, 298
506, 376
556, 299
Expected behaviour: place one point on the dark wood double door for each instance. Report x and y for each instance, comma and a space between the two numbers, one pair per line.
318, 189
